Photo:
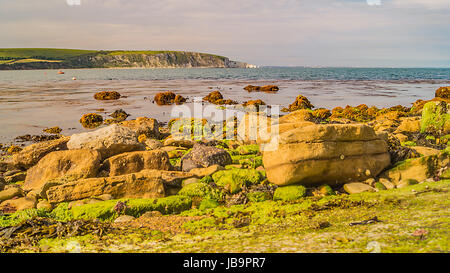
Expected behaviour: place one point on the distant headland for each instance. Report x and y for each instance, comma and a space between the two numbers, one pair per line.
55, 58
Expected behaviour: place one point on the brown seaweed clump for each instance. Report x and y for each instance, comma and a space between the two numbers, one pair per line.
321, 113
168, 98
91, 120
360, 113
264, 88
107, 95
216, 97
13, 149
443, 92
256, 103
301, 102
53, 130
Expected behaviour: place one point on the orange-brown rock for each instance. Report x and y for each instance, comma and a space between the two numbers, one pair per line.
69, 164
133, 162
145, 184
143, 126
328, 154
31, 154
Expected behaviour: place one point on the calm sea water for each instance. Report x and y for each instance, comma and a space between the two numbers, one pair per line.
35, 99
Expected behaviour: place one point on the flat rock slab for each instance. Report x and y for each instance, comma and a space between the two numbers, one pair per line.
145, 184
133, 162
108, 141
143, 126
357, 187
31, 154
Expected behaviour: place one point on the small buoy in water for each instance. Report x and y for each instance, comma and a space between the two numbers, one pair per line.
74, 78
60, 72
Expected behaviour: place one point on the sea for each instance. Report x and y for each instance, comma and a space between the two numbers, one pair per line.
31, 100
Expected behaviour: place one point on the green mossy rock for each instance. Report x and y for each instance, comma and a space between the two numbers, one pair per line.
435, 118
208, 204
195, 190
379, 186
325, 190
234, 179
248, 149
253, 163
289, 193
135, 207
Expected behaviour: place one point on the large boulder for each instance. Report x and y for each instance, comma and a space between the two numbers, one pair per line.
143, 126
108, 141
31, 154
145, 184
202, 156
133, 162
332, 154
69, 165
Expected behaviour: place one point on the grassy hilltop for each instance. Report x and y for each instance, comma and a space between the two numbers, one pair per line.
54, 58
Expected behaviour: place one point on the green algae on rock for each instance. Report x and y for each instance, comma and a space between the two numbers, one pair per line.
435, 118
289, 193
234, 180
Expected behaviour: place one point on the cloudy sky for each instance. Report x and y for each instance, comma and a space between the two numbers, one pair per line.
388, 33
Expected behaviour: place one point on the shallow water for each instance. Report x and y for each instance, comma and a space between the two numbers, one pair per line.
33, 100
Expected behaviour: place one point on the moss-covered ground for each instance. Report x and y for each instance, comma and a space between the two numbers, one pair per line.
411, 219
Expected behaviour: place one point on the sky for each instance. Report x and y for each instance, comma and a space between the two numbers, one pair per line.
359, 33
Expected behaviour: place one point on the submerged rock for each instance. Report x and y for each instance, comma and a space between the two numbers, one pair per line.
109, 141
331, 154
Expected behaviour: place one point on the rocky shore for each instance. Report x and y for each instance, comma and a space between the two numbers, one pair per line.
136, 171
